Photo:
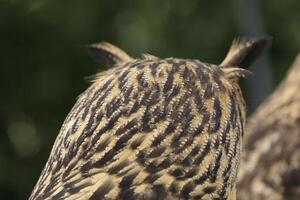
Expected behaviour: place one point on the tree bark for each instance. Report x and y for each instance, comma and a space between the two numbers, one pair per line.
271, 165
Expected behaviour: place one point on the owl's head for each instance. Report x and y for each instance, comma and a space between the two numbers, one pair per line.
167, 124
209, 86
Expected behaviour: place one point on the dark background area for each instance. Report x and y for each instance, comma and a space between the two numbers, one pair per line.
43, 61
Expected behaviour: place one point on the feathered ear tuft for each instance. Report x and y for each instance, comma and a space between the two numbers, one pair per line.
243, 52
234, 74
108, 53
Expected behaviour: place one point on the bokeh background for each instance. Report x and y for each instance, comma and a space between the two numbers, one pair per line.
43, 60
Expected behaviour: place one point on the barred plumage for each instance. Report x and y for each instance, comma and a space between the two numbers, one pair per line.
152, 128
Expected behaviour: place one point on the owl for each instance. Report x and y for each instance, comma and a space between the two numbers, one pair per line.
153, 128
271, 158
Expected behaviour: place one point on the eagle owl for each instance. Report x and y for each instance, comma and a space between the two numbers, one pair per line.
153, 128
271, 158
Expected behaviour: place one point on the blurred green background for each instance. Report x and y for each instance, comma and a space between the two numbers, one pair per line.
43, 61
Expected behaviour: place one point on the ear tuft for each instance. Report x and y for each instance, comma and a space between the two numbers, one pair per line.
234, 74
243, 52
108, 53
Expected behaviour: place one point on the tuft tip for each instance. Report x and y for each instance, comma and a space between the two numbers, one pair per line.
243, 52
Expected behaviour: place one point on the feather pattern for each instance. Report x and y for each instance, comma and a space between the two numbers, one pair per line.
150, 128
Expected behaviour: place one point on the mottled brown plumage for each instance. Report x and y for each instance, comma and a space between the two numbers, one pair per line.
151, 128
271, 164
